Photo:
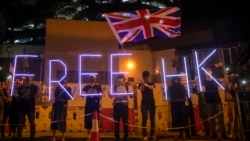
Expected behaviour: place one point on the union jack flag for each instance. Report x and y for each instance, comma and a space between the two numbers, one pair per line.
143, 24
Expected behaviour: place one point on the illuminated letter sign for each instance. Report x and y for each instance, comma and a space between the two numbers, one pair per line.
82, 73
20, 74
115, 73
173, 75
198, 66
57, 81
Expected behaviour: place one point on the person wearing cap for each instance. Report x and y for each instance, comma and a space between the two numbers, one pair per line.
147, 105
59, 110
178, 95
27, 93
92, 92
120, 106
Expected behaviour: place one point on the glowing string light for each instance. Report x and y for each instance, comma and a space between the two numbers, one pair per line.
57, 81
207, 58
22, 74
114, 73
88, 74
212, 78
187, 80
164, 78
198, 70
174, 75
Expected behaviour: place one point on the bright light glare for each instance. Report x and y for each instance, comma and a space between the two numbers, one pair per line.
244, 82
130, 65
9, 77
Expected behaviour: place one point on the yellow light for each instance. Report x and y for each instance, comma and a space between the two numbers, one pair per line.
130, 65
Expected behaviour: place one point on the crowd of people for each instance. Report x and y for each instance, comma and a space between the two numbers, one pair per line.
22, 104
17, 107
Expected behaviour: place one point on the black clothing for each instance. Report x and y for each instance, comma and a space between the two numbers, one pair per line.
27, 95
178, 94
211, 94
92, 103
14, 114
92, 100
121, 112
147, 95
31, 117
148, 106
59, 109
144, 110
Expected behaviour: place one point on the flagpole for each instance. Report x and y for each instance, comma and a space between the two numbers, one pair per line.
137, 72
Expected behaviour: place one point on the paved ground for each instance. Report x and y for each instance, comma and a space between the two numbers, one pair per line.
70, 136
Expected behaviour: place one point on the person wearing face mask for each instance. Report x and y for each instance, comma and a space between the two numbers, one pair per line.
213, 105
120, 106
26, 94
178, 95
59, 110
92, 102
147, 105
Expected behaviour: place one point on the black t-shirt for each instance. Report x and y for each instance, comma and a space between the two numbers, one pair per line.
95, 99
177, 92
61, 95
211, 92
27, 95
147, 95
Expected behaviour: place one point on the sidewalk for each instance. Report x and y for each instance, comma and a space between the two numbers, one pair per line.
106, 136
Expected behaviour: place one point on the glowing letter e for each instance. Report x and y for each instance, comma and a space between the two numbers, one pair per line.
115, 73
82, 73
18, 74
57, 81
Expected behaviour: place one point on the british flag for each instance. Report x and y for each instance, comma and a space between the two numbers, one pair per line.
143, 24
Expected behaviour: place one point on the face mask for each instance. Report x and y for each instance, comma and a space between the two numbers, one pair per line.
92, 80
120, 80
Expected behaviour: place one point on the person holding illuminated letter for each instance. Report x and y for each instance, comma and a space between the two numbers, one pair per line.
120, 106
59, 110
213, 104
27, 93
178, 95
92, 92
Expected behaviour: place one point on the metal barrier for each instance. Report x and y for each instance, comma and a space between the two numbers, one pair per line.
243, 110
